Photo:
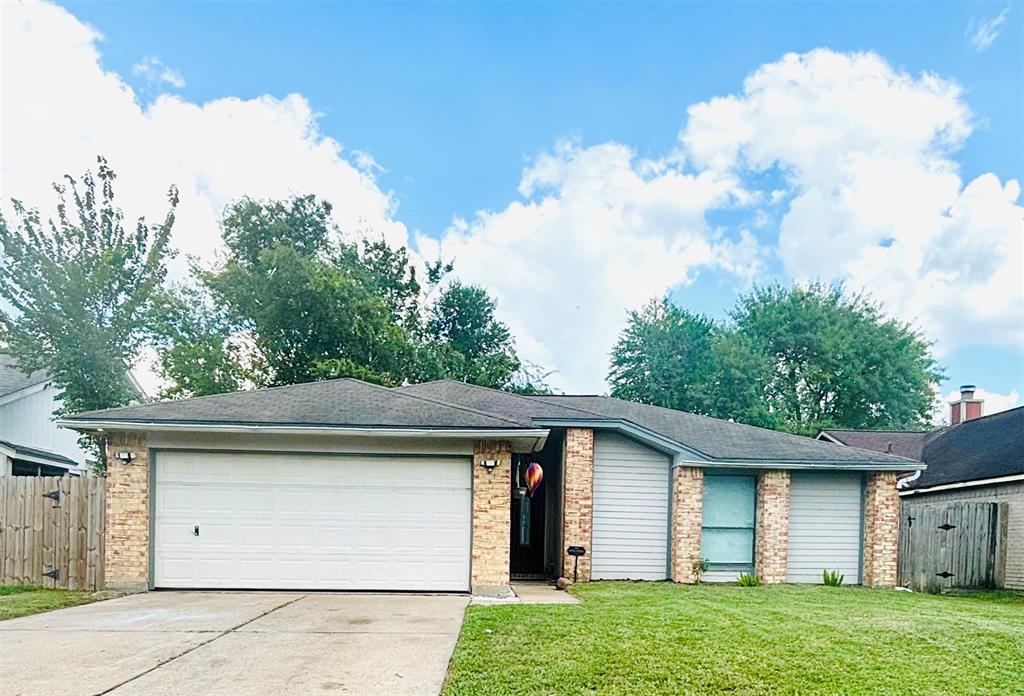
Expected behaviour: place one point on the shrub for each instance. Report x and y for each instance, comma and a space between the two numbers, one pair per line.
832, 578
749, 580
699, 567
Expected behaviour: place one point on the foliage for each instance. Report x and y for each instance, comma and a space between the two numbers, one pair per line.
832, 578
78, 289
748, 580
292, 301
698, 567
658, 639
794, 358
662, 357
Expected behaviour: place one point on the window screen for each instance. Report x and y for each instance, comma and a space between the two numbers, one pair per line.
728, 535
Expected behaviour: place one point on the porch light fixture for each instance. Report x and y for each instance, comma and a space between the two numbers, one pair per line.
125, 456
489, 464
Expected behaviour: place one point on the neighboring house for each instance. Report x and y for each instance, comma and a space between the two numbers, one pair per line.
31, 443
976, 459
346, 485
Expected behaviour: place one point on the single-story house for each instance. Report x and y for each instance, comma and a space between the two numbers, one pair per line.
976, 459
346, 485
31, 444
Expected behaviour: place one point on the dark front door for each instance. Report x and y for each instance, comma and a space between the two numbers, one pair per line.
527, 529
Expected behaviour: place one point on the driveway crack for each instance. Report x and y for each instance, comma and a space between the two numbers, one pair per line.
218, 636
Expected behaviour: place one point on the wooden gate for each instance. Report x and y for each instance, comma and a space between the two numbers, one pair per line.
51, 531
946, 545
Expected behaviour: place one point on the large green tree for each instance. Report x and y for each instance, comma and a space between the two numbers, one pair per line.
78, 287
796, 358
294, 302
663, 357
837, 360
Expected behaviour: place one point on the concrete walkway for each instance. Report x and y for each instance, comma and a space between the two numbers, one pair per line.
234, 643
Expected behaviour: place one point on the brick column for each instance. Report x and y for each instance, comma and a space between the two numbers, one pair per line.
578, 498
687, 514
771, 545
492, 514
881, 529
126, 538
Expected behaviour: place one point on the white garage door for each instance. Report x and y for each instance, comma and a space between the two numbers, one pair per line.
279, 521
631, 486
824, 525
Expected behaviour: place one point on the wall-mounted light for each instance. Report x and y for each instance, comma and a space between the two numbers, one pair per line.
125, 457
489, 464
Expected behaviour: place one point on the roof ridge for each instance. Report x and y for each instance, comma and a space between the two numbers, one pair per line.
396, 390
879, 430
530, 397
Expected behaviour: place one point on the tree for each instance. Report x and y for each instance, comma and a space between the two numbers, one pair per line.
794, 358
79, 289
291, 301
837, 360
471, 344
663, 357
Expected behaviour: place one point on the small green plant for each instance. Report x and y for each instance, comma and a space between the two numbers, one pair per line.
832, 578
749, 580
699, 567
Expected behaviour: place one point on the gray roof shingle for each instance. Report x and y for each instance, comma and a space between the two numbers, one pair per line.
333, 403
903, 443
12, 379
450, 404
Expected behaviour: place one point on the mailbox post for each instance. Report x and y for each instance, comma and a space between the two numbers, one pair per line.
575, 552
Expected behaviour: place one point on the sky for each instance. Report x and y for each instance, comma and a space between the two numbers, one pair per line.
575, 159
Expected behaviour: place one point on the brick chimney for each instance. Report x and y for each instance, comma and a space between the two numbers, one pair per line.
966, 407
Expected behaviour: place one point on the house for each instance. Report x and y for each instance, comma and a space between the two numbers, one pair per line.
347, 485
31, 443
976, 459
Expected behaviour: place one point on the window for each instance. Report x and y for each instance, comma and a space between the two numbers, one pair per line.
728, 524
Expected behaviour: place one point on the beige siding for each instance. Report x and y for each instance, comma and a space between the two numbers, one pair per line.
1011, 493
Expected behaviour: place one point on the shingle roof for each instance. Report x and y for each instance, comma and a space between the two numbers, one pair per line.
449, 404
12, 379
38, 453
977, 449
903, 443
720, 439
334, 403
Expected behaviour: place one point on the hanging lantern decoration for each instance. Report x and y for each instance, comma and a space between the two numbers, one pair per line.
534, 475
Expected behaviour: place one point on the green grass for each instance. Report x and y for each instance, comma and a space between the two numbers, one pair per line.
660, 638
21, 600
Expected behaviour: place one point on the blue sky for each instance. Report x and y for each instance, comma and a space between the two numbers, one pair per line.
454, 101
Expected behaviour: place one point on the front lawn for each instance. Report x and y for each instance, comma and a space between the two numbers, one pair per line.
660, 638
21, 601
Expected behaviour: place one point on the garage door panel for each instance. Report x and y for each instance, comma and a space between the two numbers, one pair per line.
312, 522
825, 525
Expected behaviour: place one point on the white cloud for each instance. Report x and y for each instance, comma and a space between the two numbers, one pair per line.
877, 201
156, 73
994, 403
598, 232
867, 190
214, 152
982, 34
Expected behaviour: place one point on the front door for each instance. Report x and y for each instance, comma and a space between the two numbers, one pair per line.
528, 522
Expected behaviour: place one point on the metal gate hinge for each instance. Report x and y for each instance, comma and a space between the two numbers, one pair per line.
55, 574
53, 495
946, 527
945, 574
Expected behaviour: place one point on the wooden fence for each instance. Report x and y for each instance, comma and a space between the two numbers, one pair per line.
949, 544
51, 531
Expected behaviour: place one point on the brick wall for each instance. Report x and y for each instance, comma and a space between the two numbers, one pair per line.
492, 514
771, 546
578, 497
126, 550
881, 529
687, 513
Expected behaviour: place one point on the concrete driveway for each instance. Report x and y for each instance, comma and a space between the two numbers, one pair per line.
234, 643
